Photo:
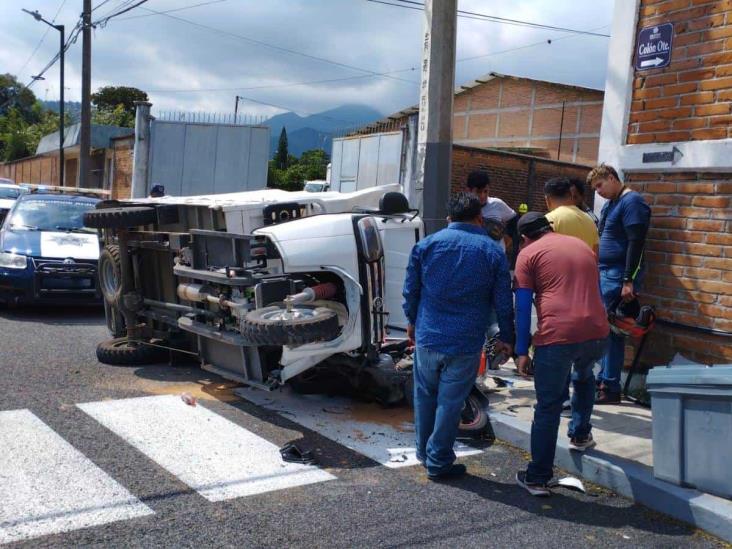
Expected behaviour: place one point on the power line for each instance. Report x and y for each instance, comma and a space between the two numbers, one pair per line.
411, 4
361, 77
100, 4
173, 10
297, 110
106, 18
274, 47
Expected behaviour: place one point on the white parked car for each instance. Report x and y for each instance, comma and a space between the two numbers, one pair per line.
9, 192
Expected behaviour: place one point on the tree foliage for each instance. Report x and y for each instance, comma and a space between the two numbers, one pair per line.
108, 98
117, 116
24, 120
281, 157
311, 165
14, 95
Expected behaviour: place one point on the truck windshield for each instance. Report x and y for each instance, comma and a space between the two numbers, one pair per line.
314, 187
50, 215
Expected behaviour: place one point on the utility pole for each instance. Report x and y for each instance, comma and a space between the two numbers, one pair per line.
61, 112
85, 133
434, 130
236, 108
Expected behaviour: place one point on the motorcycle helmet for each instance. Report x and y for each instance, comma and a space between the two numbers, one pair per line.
630, 318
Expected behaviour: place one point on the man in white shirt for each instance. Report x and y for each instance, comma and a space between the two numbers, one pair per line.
496, 213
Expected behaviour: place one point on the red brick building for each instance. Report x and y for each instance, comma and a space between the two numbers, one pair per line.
667, 130
523, 115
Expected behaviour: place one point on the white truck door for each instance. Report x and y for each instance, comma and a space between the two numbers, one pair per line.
398, 238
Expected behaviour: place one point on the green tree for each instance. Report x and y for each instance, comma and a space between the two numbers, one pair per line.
14, 95
281, 157
315, 163
109, 97
116, 116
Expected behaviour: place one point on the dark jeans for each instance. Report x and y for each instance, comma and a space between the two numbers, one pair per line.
611, 283
441, 385
552, 365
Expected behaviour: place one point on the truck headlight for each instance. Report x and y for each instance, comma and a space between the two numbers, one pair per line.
13, 261
370, 240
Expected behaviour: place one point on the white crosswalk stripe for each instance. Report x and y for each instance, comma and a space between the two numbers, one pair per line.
384, 435
214, 456
47, 486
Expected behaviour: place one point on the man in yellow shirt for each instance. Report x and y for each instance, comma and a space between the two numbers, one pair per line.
565, 216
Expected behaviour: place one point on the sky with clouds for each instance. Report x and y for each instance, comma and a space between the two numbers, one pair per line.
306, 56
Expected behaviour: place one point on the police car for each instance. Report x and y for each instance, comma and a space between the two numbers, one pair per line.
46, 253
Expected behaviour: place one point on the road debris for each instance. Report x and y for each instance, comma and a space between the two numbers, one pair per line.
189, 399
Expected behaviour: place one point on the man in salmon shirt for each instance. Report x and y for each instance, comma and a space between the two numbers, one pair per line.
560, 273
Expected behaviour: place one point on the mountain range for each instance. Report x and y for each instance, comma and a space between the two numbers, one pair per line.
316, 131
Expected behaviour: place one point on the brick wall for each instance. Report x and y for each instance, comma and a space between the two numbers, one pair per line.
515, 178
34, 169
120, 178
690, 99
689, 261
522, 113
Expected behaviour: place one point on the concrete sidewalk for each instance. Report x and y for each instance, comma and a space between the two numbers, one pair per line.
622, 460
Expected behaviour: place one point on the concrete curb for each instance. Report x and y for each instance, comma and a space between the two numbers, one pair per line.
630, 479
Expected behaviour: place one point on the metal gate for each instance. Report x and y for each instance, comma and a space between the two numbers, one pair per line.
194, 158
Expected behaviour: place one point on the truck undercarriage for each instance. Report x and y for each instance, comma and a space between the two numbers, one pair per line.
304, 291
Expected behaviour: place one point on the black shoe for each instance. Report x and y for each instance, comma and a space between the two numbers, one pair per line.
581, 444
607, 397
534, 488
454, 471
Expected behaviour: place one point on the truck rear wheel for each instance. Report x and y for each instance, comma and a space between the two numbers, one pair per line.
275, 325
123, 352
119, 218
110, 273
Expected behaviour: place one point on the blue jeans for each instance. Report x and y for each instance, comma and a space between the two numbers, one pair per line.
552, 365
611, 283
441, 385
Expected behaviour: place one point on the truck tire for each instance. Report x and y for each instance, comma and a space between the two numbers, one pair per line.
119, 218
273, 326
475, 422
122, 352
110, 274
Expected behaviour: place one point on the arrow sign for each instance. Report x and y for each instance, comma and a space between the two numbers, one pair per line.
651, 62
653, 47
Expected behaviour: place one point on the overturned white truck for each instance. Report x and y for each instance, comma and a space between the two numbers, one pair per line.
267, 288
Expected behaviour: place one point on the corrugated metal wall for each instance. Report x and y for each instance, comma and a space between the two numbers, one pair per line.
366, 161
191, 159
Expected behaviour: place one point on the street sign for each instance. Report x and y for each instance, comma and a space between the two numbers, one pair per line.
662, 156
654, 47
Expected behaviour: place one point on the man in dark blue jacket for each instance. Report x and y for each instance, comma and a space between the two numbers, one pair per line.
454, 278
623, 226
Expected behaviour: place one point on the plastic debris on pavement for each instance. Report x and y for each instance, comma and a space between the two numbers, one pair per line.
188, 398
569, 482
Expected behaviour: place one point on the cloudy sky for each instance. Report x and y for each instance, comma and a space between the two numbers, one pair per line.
301, 55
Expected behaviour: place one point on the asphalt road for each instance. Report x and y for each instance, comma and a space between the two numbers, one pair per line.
48, 365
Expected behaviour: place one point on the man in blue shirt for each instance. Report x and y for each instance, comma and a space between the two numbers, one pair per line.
623, 226
454, 278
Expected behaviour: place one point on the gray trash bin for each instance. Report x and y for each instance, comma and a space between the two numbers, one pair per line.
692, 426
